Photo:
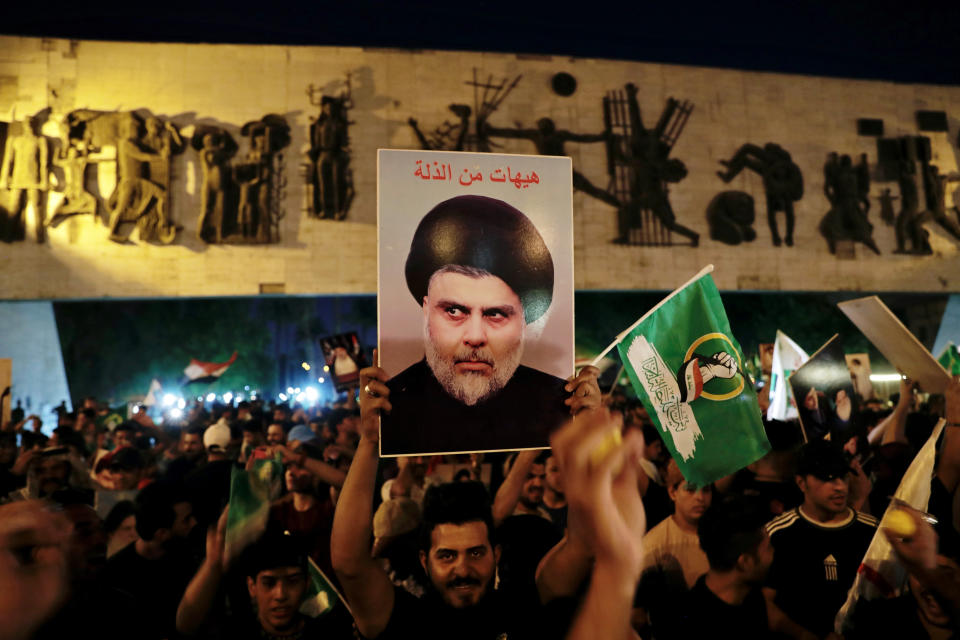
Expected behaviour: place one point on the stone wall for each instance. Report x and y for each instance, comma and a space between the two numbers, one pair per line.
197, 88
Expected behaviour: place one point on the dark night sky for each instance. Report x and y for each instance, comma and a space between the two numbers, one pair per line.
915, 41
907, 41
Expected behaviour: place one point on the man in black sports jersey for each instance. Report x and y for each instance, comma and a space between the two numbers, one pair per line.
819, 545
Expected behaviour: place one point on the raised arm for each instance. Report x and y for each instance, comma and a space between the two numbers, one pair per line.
565, 567
527, 134
509, 492
893, 427
366, 586
198, 598
587, 137
601, 483
327, 473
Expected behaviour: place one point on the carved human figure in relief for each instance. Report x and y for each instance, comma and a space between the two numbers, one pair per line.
25, 169
135, 193
328, 151
213, 159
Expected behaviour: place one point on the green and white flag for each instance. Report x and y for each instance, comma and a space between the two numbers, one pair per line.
251, 493
950, 359
787, 358
322, 596
687, 368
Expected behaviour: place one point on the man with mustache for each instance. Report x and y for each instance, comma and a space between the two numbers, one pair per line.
818, 545
458, 550
482, 273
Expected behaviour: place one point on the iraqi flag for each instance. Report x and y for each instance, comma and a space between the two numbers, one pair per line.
251, 493
198, 371
322, 596
787, 358
881, 575
687, 369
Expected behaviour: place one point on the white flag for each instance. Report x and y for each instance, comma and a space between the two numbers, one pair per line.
787, 358
153, 395
881, 575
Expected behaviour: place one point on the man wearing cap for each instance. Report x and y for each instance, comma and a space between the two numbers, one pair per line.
818, 545
482, 273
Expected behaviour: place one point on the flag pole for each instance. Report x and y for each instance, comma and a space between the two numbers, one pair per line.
707, 269
617, 379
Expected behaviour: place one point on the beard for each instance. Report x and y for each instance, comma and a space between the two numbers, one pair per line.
471, 387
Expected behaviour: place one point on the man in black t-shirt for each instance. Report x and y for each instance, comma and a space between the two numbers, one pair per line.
819, 545
728, 598
156, 568
457, 549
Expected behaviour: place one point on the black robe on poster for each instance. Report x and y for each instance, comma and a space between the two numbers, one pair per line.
426, 419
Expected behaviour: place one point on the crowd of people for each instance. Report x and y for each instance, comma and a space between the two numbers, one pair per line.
121, 533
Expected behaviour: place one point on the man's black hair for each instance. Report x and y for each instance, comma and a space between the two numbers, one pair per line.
543, 456
252, 426
68, 437
154, 508
455, 503
274, 550
118, 513
196, 430
729, 529
127, 425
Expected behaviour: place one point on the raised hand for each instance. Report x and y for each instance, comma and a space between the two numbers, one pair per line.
584, 390
374, 398
606, 511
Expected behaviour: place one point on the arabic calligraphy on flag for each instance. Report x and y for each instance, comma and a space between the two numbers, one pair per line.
687, 369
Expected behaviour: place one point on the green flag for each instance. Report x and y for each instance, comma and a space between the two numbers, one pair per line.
250, 495
112, 418
950, 359
322, 596
688, 370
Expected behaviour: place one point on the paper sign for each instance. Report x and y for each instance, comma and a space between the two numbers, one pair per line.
824, 392
475, 299
896, 343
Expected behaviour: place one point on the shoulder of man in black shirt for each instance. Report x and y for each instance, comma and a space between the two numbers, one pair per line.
497, 616
700, 613
334, 625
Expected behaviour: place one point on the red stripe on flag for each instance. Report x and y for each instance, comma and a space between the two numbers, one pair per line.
877, 579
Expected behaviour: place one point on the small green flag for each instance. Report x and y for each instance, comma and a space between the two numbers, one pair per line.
112, 418
250, 495
322, 596
688, 370
950, 359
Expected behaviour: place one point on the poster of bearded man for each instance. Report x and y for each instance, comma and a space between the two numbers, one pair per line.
475, 299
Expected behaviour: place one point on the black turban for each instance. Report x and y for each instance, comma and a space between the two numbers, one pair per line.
483, 233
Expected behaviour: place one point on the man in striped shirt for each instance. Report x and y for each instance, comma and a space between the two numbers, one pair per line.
818, 546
